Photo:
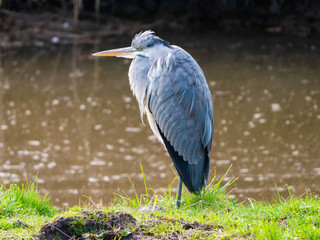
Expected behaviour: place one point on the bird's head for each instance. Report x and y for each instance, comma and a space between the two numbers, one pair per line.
144, 44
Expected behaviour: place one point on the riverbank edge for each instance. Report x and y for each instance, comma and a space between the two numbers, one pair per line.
24, 214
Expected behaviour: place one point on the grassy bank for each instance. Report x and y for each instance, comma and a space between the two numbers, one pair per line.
153, 215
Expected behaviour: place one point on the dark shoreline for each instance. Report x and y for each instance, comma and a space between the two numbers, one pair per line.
40, 28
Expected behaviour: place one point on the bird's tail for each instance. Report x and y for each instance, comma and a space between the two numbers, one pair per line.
194, 176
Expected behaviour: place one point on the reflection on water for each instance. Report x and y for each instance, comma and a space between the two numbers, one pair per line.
72, 119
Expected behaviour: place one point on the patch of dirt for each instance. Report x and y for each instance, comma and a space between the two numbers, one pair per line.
119, 225
185, 225
89, 225
197, 225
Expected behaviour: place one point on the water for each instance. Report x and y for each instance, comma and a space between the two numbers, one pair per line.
72, 121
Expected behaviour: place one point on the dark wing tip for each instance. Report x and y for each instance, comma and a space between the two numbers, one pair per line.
192, 175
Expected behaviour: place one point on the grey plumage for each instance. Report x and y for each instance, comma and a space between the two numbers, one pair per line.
171, 89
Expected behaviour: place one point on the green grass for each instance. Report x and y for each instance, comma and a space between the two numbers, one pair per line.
290, 218
23, 199
22, 208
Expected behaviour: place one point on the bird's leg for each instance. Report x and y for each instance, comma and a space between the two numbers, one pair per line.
179, 193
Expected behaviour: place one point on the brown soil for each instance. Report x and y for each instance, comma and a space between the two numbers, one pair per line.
99, 225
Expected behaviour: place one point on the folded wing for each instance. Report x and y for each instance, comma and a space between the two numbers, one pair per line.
180, 102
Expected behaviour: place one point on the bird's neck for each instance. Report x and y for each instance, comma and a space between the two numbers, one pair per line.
138, 79
138, 73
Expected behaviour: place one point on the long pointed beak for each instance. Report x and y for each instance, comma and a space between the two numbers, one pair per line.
127, 52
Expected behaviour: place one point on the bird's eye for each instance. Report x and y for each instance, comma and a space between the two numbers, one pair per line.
141, 48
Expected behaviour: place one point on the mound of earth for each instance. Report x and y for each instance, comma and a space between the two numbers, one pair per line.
89, 225
117, 225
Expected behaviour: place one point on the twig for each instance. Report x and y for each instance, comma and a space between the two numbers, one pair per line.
201, 201
76, 10
62, 232
250, 202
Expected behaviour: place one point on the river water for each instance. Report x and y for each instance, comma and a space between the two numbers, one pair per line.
71, 119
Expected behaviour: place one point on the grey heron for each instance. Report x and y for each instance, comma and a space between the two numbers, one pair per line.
172, 91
